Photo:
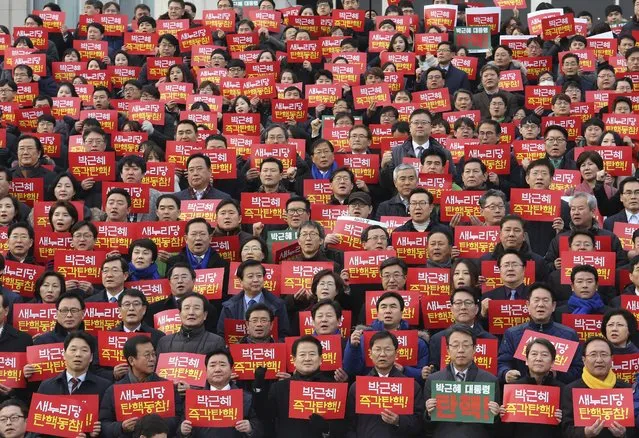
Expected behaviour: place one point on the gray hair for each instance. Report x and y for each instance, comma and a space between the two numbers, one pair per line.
403, 166
592, 201
316, 226
492, 192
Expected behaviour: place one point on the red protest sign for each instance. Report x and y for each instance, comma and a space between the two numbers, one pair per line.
604, 262
125, 143
504, 314
153, 290
322, 398
510, 4
408, 351
411, 306
140, 197
110, 345
557, 27
223, 20
307, 327
623, 124
485, 355
168, 321
187, 368
138, 43
62, 415
136, 399
366, 95
511, 80
474, 241
248, 357
34, 318
168, 236
331, 352
410, 246
373, 395
529, 149
157, 67
80, 265
565, 349
11, 365
115, 236
540, 96
172, 26
349, 230
267, 208
536, 66
436, 101
531, 404
464, 203
624, 232
490, 271
585, 325
535, 19
209, 282
608, 405
101, 317
440, 16
199, 36
205, 408
296, 275
430, 282
285, 110
147, 111
300, 51
427, 42
536, 205
47, 359
565, 179
52, 20
363, 266
495, 157
21, 277
100, 166
484, 16
91, 49
626, 366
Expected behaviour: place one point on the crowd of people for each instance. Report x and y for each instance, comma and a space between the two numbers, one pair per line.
267, 177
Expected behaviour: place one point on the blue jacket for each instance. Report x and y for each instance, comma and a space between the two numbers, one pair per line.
355, 365
506, 360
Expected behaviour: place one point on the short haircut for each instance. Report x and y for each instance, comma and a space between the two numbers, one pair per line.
545, 162
116, 258
207, 160
133, 293
17, 403
631, 321
576, 233
598, 338
461, 328
168, 196
259, 307
512, 217
467, 290
327, 302
80, 334
198, 220
391, 294
85, 223
181, 265
491, 193
394, 261
130, 348
120, 191
583, 268
248, 264
556, 128
421, 190
201, 297
367, 230
149, 426
510, 252
383, 334
308, 339
541, 285
219, 352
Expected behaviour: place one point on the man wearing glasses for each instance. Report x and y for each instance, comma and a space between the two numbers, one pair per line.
556, 138
13, 418
511, 271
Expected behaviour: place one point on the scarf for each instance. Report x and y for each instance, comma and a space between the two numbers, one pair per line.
580, 306
594, 383
193, 261
148, 273
318, 175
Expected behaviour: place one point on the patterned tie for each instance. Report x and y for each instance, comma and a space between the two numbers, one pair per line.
460, 377
420, 151
251, 303
75, 383
113, 300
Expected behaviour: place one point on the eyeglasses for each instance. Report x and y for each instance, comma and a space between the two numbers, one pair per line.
511, 265
556, 140
465, 303
11, 419
596, 355
294, 211
73, 311
495, 207
312, 235
111, 271
342, 178
457, 347
420, 123
394, 276
378, 238
134, 304
259, 320
419, 204
380, 350
630, 193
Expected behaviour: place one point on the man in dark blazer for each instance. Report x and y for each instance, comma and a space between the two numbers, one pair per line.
140, 356
114, 271
11, 340
455, 78
182, 280
198, 252
629, 194
79, 348
511, 271
461, 343
251, 275
198, 173
597, 374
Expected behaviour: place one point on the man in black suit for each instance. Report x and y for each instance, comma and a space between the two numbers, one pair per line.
114, 271
11, 340
79, 348
251, 274
597, 374
198, 173
629, 190
182, 280
461, 343
455, 78
511, 271
141, 358
133, 305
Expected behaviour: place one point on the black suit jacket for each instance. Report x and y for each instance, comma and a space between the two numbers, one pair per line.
12, 340
144, 328
610, 221
58, 385
456, 79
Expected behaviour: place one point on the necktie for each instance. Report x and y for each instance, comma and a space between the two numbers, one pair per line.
113, 300
251, 303
420, 150
460, 377
513, 294
74, 384
634, 219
